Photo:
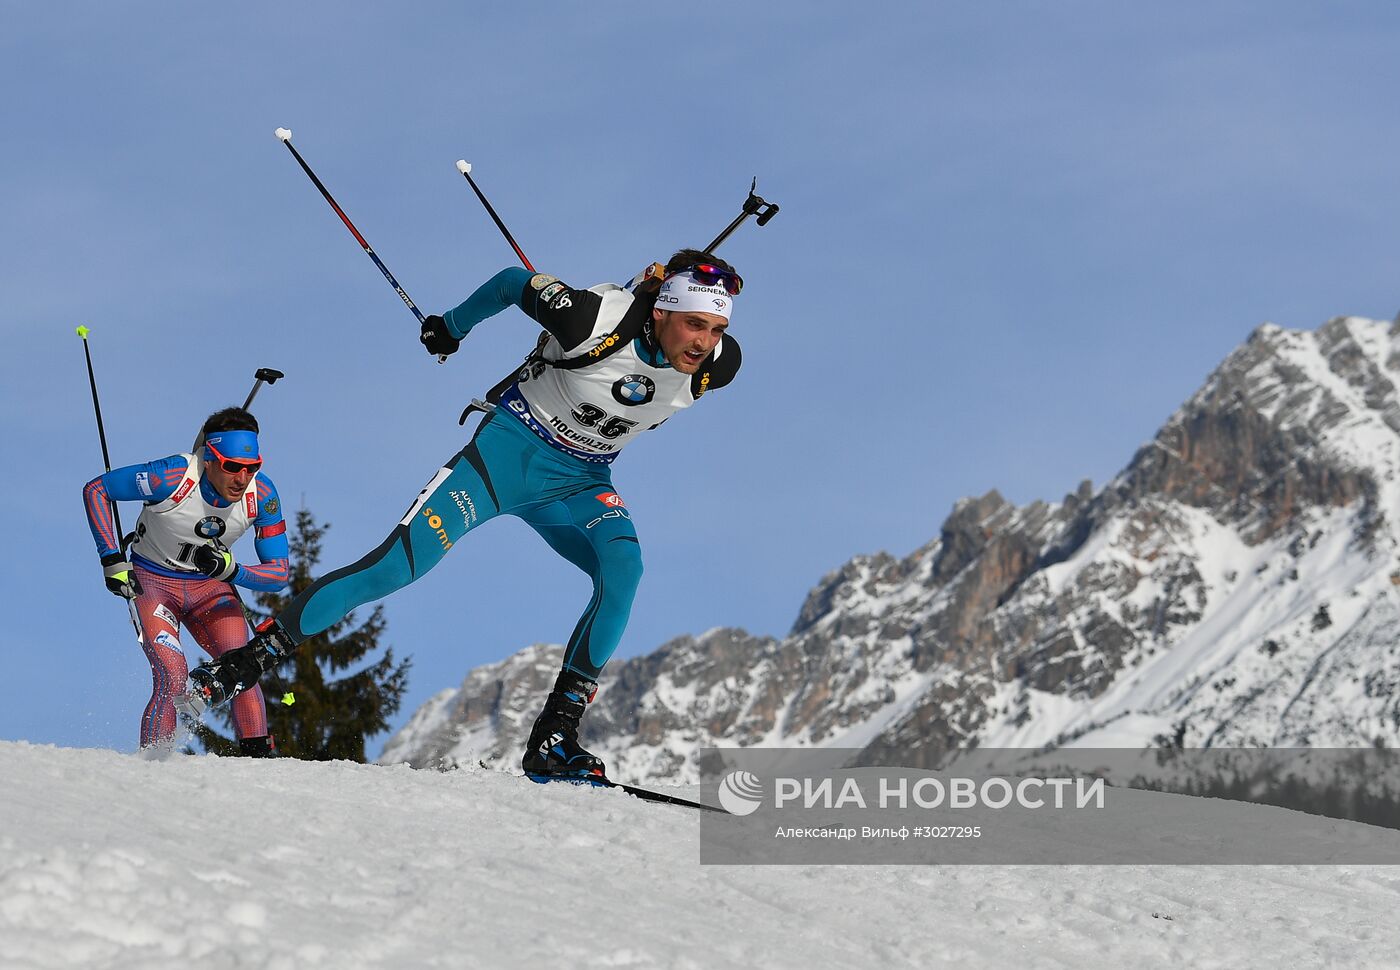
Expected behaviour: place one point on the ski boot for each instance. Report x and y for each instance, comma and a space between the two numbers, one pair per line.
553, 752
262, 747
231, 673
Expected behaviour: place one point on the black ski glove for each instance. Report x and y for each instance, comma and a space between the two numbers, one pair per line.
120, 576
437, 338
214, 563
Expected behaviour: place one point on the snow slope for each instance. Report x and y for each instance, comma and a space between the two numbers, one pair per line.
347, 866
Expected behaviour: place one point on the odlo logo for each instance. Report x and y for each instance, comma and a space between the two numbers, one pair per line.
435, 523
741, 793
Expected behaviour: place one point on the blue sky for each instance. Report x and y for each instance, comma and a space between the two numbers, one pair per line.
1013, 238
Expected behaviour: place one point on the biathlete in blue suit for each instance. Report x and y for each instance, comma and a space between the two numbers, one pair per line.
613, 362
180, 569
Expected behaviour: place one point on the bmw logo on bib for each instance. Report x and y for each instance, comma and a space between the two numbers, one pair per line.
210, 527
634, 389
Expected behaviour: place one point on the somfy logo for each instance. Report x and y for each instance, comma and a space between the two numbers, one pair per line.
741, 793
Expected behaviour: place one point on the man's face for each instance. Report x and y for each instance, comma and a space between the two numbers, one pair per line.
229, 485
687, 336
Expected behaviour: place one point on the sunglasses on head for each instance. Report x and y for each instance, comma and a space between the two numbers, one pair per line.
708, 274
234, 467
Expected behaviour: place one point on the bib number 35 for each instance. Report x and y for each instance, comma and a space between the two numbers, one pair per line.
608, 425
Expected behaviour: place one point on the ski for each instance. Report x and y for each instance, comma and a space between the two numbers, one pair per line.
645, 794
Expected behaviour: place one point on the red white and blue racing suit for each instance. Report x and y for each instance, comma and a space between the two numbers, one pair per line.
174, 593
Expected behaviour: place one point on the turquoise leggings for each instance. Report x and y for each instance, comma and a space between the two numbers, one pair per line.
504, 469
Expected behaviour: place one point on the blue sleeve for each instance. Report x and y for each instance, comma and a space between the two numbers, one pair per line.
506, 288
149, 482
269, 541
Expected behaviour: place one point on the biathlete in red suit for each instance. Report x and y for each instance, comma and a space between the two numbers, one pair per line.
180, 569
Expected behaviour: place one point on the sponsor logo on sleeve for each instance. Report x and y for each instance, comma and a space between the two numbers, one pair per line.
143, 482
551, 291
540, 280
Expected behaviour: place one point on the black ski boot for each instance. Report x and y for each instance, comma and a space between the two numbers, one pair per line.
262, 747
553, 751
234, 671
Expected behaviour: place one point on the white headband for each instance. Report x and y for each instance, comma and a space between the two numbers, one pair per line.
681, 292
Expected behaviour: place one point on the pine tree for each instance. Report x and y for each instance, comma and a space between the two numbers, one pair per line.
309, 715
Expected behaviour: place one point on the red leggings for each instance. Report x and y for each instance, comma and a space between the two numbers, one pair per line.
210, 611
